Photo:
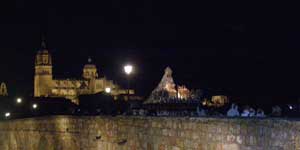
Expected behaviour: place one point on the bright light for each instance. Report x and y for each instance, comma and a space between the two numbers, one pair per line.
128, 69
108, 90
291, 107
19, 100
34, 106
7, 114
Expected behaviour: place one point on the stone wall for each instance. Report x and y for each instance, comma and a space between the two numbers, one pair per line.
148, 133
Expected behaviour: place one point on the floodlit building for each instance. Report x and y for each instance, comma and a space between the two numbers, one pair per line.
3, 89
46, 86
183, 92
216, 101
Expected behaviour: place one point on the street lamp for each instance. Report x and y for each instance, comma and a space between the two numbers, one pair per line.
19, 100
108, 90
7, 114
34, 106
128, 70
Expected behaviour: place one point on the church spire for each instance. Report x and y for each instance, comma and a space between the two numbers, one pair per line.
43, 44
43, 57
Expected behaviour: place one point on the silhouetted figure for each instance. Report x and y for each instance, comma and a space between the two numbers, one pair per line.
251, 112
200, 112
260, 113
276, 111
233, 111
246, 112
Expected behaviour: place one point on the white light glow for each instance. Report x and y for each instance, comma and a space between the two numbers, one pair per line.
108, 90
34, 106
7, 114
19, 100
128, 69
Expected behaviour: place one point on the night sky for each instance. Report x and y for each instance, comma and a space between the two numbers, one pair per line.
245, 50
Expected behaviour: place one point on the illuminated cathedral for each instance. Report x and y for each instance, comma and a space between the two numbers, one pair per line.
46, 86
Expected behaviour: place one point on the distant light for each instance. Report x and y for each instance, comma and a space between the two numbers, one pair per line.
19, 100
34, 106
128, 69
291, 107
108, 90
7, 114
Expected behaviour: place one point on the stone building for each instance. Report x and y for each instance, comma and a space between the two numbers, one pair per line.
3, 89
216, 101
46, 86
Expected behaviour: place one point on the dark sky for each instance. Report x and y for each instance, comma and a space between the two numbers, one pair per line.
246, 50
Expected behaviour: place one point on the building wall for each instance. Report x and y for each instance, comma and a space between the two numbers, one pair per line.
146, 133
43, 80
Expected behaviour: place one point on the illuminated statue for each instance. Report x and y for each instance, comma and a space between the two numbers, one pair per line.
166, 90
3, 89
167, 83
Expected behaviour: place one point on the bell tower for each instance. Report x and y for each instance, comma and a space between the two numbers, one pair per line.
90, 73
43, 72
90, 70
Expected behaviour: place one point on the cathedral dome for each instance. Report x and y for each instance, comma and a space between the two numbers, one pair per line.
90, 70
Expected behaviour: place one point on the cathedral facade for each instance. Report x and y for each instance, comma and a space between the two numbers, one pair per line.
46, 86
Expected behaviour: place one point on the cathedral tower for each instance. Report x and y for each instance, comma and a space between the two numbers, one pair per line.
90, 73
43, 72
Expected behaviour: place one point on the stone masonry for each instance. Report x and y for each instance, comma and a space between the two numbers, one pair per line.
148, 133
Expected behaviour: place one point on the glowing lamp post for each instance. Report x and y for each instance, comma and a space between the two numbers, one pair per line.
34, 106
128, 70
108, 90
7, 114
19, 100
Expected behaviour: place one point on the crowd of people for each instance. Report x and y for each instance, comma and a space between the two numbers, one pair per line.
233, 111
247, 112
